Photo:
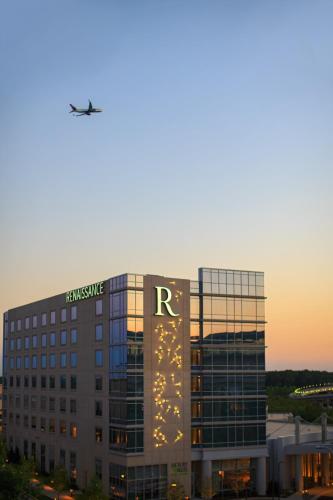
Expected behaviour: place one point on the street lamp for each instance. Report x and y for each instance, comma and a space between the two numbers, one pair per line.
221, 476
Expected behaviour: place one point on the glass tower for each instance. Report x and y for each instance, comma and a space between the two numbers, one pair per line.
228, 368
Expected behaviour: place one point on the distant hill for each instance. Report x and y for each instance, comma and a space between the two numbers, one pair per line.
297, 378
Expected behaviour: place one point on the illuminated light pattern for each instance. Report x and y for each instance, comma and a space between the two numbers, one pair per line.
312, 390
169, 356
178, 295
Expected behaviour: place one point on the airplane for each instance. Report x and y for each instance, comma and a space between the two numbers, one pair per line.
88, 111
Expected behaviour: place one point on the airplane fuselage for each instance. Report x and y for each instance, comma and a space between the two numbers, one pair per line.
85, 111
94, 110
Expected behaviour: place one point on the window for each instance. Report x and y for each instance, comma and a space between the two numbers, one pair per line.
99, 358
26, 362
26, 342
98, 434
42, 424
18, 344
43, 403
130, 440
195, 357
62, 405
27, 323
18, 381
98, 408
99, 307
44, 319
52, 317
43, 382
33, 422
12, 344
19, 325
18, 362
62, 458
73, 357
52, 339
63, 382
34, 361
51, 382
63, 337
63, 315
44, 340
26, 380
51, 404
34, 341
62, 427
73, 313
12, 326
34, 381
72, 406
34, 321
72, 465
196, 409
52, 360
11, 362
51, 425
99, 332
73, 431
33, 402
98, 468
73, 336
73, 382
135, 302
195, 383
98, 383
63, 360
43, 360
196, 435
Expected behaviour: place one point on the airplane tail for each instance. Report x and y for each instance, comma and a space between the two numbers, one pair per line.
73, 108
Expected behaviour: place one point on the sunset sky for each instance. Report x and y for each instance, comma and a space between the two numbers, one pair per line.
214, 149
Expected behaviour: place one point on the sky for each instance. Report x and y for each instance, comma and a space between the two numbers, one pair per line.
214, 149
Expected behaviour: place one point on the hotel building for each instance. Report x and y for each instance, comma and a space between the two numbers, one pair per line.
146, 381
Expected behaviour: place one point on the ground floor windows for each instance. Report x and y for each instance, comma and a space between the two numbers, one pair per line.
149, 482
232, 478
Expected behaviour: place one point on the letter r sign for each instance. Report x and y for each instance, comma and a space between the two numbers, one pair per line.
159, 301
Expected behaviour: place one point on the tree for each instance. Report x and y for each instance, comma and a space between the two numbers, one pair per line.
94, 490
175, 491
11, 487
3, 451
60, 479
15, 481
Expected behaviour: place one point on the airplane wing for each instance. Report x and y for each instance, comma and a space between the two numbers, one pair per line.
90, 105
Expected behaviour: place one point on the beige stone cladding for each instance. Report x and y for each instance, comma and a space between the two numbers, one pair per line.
38, 408
167, 396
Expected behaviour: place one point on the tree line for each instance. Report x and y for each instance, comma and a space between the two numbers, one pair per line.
297, 378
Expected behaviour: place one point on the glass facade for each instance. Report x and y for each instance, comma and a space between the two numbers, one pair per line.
126, 364
228, 359
144, 482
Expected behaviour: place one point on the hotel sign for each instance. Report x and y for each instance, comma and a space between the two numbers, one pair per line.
160, 301
86, 292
